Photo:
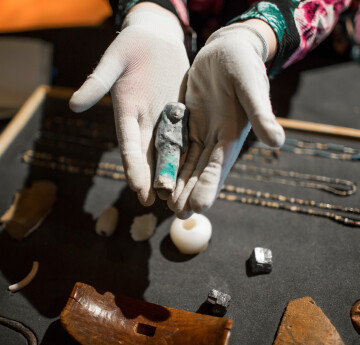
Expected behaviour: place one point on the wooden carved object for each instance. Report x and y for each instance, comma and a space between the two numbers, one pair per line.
29, 208
97, 318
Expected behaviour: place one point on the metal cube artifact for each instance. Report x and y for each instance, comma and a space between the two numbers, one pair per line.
220, 302
261, 260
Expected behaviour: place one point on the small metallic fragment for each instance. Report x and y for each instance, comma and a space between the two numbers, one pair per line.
107, 222
19, 327
29, 209
220, 302
171, 141
21, 284
143, 227
261, 260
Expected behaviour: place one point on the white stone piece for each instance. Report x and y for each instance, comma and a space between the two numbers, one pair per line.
192, 235
107, 222
143, 227
21, 284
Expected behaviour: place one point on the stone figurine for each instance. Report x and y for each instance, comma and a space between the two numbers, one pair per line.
171, 141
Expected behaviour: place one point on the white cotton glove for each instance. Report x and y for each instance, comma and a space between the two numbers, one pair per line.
227, 87
143, 68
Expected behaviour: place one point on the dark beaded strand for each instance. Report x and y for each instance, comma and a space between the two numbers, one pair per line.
228, 192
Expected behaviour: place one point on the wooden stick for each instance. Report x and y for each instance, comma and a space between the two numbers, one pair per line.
319, 128
29, 108
22, 117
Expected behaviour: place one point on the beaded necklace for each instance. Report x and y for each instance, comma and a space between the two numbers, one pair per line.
299, 147
228, 192
332, 185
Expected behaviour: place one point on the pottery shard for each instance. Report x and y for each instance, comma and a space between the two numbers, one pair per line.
355, 316
29, 208
305, 323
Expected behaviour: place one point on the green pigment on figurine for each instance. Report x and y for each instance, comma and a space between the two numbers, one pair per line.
170, 167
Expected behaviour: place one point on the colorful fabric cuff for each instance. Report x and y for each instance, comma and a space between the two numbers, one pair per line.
280, 16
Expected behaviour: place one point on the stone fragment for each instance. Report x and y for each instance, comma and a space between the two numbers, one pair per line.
107, 222
143, 227
355, 316
220, 302
29, 209
305, 323
261, 260
171, 141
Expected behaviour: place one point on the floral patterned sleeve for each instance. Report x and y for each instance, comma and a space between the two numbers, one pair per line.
300, 25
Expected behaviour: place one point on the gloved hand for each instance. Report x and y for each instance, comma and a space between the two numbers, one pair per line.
227, 89
143, 68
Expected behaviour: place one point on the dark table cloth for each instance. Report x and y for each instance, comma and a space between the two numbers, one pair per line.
312, 256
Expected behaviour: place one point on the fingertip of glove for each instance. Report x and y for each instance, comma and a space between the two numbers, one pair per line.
184, 214
277, 137
163, 194
270, 132
89, 94
200, 204
181, 212
75, 103
146, 199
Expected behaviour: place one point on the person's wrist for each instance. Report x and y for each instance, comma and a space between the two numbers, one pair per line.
267, 32
155, 18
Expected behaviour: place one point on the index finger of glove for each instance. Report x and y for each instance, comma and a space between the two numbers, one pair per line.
255, 100
107, 72
129, 138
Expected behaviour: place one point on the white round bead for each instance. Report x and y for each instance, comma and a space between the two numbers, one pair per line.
107, 222
192, 235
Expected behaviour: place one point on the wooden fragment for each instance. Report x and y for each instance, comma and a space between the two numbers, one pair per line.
305, 323
22, 117
96, 318
319, 128
29, 209
355, 316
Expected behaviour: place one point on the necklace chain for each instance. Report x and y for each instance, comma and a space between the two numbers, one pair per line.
326, 150
228, 192
294, 178
94, 129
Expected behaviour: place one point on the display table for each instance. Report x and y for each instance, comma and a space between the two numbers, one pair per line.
312, 255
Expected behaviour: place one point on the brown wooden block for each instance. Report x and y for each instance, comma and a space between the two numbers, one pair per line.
97, 318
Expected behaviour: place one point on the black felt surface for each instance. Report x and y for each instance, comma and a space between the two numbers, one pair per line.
312, 256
